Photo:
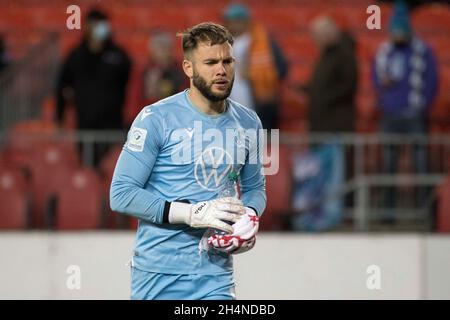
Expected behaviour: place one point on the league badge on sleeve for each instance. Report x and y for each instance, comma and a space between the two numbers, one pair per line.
136, 139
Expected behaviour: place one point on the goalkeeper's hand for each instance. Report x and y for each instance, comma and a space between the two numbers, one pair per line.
208, 214
243, 238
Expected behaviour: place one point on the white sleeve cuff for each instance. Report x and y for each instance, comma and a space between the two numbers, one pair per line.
179, 212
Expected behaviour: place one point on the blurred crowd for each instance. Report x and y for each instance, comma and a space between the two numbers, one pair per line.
95, 75
106, 88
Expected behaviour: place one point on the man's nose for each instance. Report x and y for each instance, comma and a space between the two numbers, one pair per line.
221, 69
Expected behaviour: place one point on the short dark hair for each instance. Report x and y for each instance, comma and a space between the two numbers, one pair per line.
204, 32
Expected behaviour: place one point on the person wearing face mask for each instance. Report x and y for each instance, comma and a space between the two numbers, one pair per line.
94, 78
405, 79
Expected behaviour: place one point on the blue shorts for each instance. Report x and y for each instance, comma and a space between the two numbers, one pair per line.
160, 286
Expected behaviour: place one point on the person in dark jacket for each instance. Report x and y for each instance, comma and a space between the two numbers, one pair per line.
94, 78
332, 87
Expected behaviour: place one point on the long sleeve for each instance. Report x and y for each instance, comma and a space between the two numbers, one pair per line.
134, 167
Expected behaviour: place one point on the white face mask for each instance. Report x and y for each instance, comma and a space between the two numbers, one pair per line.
101, 30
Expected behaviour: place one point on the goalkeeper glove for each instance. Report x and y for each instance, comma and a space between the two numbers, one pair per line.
208, 214
243, 237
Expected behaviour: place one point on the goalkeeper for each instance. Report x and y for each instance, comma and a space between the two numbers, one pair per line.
178, 153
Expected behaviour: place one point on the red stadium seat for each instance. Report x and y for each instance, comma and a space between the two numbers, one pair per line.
134, 223
199, 13
433, 18
14, 199
299, 73
367, 114
440, 44
276, 17
368, 45
278, 190
443, 212
51, 166
108, 163
299, 48
13, 178
22, 139
55, 153
107, 166
79, 202
293, 105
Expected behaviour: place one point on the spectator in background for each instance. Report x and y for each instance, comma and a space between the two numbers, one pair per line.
94, 76
405, 80
162, 77
332, 87
260, 65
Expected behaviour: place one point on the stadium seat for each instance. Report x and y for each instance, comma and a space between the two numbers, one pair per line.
443, 210
55, 153
276, 18
199, 13
367, 46
50, 169
295, 126
13, 178
278, 190
79, 202
367, 114
134, 223
433, 18
14, 199
48, 113
440, 44
107, 166
22, 138
299, 48
293, 105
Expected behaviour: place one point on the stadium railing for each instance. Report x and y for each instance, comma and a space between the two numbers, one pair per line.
25, 83
366, 185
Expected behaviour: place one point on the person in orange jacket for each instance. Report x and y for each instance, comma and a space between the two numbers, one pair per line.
260, 65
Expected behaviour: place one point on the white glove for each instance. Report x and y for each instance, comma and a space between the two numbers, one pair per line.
243, 237
208, 214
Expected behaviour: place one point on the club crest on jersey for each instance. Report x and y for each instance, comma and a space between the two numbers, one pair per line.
211, 167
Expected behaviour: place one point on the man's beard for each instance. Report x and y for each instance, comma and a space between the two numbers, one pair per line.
206, 91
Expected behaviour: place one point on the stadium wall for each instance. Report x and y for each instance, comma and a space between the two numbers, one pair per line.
93, 265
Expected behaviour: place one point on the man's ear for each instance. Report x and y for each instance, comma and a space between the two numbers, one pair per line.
188, 68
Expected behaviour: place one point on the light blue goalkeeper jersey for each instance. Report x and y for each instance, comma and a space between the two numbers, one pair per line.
176, 152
